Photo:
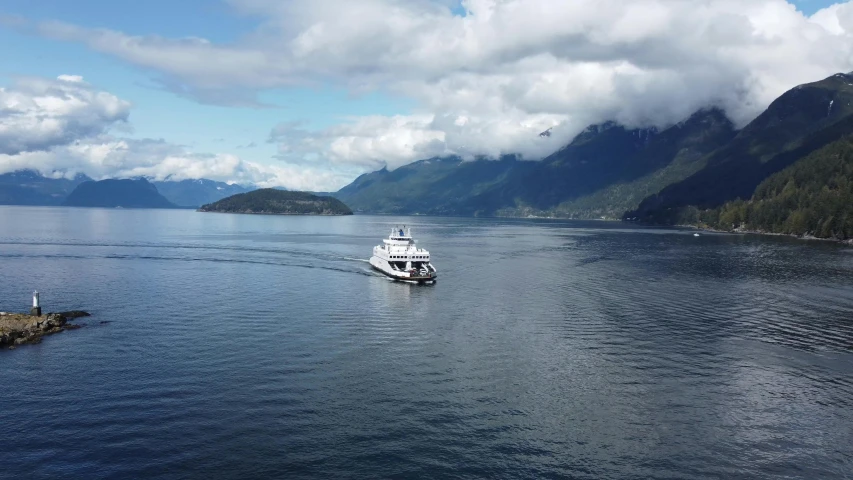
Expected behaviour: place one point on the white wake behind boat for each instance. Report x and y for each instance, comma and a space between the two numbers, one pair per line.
399, 258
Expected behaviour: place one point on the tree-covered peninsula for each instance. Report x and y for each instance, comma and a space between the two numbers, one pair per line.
813, 197
269, 201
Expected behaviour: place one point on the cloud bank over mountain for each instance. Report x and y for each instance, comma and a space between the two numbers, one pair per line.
487, 75
61, 127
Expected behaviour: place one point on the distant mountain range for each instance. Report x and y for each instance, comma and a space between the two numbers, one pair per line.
195, 193
613, 172
688, 173
29, 187
125, 193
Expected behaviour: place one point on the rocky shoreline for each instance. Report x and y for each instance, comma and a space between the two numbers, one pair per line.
21, 328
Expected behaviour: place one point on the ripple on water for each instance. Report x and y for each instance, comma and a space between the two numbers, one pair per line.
265, 347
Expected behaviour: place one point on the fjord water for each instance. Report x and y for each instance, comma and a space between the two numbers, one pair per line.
262, 346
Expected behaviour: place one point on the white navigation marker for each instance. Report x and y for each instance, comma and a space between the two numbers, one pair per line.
36, 310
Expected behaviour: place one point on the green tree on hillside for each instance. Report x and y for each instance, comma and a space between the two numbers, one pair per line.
812, 197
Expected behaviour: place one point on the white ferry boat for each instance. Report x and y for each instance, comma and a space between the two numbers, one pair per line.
399, 258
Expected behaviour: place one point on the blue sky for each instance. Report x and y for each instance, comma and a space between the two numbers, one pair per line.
158, 113
809, 7
474, 94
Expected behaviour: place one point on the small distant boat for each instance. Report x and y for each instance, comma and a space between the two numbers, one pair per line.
695, 234
399, 258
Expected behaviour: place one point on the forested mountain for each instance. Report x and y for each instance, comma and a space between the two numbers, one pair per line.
812, 197
606, 170
272, 201
799, 122
117, 193
610, 171
438, 186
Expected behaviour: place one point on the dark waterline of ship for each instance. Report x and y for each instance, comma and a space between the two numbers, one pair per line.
254, 347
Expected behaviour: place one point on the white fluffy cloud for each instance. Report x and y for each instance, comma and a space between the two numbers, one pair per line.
38, 114
489, 80
59, 127
374, 142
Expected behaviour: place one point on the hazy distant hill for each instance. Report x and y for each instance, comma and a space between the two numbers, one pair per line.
28, 187
272, 201
138, 193
195, 193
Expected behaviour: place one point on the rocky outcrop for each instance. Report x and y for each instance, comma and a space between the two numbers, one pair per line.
19, 328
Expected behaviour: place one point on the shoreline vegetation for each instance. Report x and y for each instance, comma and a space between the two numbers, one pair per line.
743, 231
270, 201
812, 199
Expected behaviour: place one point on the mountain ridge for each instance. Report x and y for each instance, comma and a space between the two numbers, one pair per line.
509, 186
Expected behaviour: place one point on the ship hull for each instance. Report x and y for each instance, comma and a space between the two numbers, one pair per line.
382, 266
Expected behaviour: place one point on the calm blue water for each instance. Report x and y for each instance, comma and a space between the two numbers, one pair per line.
259, 346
